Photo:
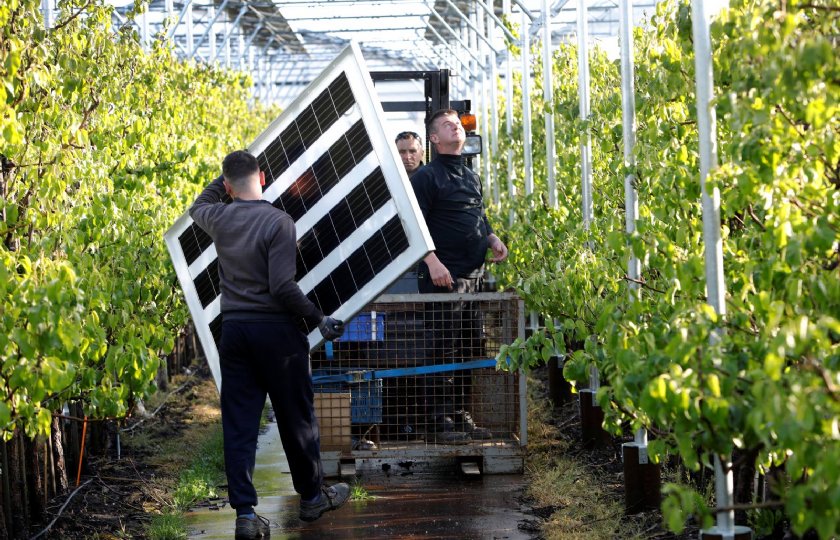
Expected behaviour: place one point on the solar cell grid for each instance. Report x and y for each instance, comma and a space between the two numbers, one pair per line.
207, 284
367, 261
300, 134
193, 242
333, 169
340, 222
325, 173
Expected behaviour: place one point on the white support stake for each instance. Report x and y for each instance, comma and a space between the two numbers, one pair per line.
583, 92
715, 286
548, 96
526, 105
628, 107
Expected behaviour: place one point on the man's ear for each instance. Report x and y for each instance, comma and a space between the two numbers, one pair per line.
228, 188
262, 178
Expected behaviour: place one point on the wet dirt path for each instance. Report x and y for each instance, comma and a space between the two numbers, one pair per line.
406, 503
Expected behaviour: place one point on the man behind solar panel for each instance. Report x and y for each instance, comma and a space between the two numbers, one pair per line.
410, 146
450, 197
263, 350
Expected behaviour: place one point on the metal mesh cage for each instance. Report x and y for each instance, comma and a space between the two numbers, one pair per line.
420, 373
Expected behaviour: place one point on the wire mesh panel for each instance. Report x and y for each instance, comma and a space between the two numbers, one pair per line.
420, 372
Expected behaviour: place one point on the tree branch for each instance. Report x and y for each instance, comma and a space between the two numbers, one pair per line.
642, 283
752, 215
70, 19
60, 510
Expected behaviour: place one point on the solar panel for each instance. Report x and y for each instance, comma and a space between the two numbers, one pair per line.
330, 165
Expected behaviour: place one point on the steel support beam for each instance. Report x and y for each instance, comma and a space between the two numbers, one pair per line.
215, 16
233, 26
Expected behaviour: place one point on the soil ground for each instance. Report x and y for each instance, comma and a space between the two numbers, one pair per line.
120, 496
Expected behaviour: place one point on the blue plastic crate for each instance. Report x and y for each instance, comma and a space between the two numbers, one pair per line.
365, 399
361, 327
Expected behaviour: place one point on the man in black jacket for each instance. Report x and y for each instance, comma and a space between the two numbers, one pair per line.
262, 349
450, 197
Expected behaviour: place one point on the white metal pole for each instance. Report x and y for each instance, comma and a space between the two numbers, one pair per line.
469, 23
213, 14
715, 286
47, 12
526, 105
144, 28
187, 7
548, 96
228, 28
509, 118
489, 9
583, 93
631, 199
628, 107
485, 109
494, 102
188, 23
469, 38
211, 33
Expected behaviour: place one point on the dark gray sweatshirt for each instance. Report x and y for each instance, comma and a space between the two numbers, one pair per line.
257, 247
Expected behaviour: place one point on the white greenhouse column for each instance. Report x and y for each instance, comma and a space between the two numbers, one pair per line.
145, 39
509, 118
715, 287
485, 109
583, 93
188, 24
548, 96
494, 100
526, 106
642, 479
48, 13
211, 33
228, 29
591, 414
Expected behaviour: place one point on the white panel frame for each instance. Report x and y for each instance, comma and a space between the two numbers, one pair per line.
403, 203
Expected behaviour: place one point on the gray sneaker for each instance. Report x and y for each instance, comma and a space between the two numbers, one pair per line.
251, 528
331, 498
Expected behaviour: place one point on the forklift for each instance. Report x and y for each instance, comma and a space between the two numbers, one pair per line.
436, 93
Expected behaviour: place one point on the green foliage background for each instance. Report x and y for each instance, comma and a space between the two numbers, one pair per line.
103, 146
772, 383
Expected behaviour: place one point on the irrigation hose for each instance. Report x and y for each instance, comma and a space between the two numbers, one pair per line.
81, 452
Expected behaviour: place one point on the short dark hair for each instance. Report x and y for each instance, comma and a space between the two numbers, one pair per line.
239, 165
408, 135
437, 114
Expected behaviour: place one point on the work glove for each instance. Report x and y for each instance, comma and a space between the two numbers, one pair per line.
331, 328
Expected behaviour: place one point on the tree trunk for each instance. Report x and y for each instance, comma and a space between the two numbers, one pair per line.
59, 465
36, 485
17, 473
744, 477
5, 491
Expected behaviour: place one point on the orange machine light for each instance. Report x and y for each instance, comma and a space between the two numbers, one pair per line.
468, 121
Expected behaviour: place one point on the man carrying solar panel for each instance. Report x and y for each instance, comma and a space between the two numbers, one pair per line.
450, 197
262, 350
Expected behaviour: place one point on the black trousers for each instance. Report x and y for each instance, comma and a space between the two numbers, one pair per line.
260, 358
453, 335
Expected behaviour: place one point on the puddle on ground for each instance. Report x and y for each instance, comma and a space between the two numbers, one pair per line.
441, 503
